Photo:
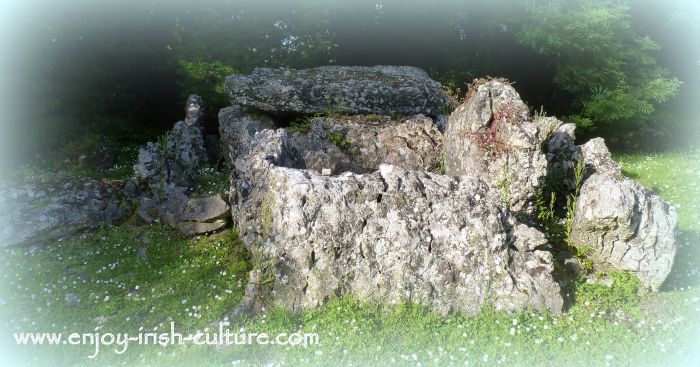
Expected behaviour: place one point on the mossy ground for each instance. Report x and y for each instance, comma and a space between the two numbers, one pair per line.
197, 282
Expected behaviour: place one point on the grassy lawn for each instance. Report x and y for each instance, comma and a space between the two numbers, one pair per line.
130, 278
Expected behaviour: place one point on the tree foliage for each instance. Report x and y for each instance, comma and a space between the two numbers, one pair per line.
607, 68
583, 58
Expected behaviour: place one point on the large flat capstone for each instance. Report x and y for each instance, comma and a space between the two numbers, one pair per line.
341, 89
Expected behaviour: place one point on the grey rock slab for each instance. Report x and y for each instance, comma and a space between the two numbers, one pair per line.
174, 161
205, 209
32, 214
195, 228
342, 89
237, 128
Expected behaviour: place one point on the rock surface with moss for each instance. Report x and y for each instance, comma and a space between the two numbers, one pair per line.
237, 125
392, 235
360, 205
175, 158
360, 143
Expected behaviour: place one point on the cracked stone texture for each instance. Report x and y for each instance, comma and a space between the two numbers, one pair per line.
379, 223
191, 216
626, 225
205, 209
562, 154
491, 136
367, 141
162, 168
348, 90
391, 235
194, 111
38, 212
237, 127
623, 224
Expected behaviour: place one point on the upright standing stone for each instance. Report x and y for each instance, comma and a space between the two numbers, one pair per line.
621, 223
492, 136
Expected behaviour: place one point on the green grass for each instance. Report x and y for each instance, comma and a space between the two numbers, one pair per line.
125, 278
98, 148
613, 326
211, 181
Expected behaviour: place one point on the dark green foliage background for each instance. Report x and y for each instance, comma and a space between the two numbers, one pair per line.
612, 66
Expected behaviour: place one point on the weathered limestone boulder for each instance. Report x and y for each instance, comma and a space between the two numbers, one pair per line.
38, 212
194, 111
492, 136
348, 90
237, 127
390, 235
597, 158
361, 143
623, 224
205, 209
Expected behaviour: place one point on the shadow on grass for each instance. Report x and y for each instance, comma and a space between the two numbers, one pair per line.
633, 175
685, 273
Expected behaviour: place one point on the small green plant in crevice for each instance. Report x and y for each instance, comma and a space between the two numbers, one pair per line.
579, 169
558, 219
504, 184
338, 139
581, 253
264, 263
300, 124
443, 166
539, 117
545, 208
539, 114
333, 111
266, 215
